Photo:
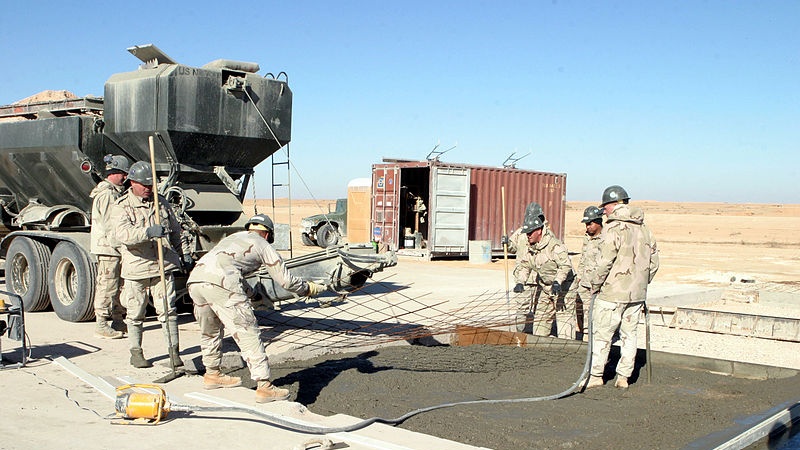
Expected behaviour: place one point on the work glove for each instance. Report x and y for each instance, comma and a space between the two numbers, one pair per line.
188, 262
519, 288
555, 289
504, 240
155, 231
314, 289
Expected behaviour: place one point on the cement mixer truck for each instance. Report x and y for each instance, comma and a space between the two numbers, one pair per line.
211, 125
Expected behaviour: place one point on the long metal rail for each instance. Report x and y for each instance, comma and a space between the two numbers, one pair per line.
723, 322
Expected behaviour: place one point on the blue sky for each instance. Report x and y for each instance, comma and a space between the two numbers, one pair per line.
674, 100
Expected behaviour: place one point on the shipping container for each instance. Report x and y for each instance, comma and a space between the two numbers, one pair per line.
437, 208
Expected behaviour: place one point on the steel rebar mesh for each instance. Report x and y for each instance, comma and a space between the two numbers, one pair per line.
380, 313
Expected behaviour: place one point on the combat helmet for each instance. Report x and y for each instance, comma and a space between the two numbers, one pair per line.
117, 162
262, 222
592, 214
534, 209
141, 172
532, 223
614, 194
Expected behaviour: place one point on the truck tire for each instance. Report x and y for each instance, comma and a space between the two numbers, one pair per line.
327, 236
306, 239
26, 272
72, 276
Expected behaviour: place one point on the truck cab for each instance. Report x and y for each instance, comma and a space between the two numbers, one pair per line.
325, 230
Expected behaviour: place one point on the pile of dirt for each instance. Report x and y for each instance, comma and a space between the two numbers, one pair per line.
46, 96
676, 408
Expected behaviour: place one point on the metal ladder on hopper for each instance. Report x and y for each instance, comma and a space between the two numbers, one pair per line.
276, 172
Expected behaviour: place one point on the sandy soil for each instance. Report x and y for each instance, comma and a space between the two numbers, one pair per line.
704, 242
698, 242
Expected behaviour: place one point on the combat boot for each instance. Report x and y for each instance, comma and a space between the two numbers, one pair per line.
103, 331
119, 325
137, 359
622, 382
267, 392
135, 341
594, 381
214, 379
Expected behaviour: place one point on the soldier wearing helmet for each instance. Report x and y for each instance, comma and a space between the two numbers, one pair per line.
140, 234
544, 267
222, 299
612, 196
587, 265
627, 264
104, 245
518, 239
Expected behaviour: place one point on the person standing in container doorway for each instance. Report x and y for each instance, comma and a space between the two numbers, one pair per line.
221, 297
628, 262
139, 233
544, 265
104, 246
587, 265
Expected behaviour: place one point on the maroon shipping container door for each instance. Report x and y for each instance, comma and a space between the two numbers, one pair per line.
385, 201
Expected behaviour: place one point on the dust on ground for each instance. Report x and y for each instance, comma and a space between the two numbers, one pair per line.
676, 408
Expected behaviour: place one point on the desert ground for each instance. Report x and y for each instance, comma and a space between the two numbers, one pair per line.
698, 242
702, 245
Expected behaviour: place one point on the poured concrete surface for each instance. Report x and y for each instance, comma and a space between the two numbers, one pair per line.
678, 407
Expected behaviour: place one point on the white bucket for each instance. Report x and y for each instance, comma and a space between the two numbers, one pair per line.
408, 242
480, 252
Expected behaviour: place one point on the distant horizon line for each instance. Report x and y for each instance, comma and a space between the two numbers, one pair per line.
333, 199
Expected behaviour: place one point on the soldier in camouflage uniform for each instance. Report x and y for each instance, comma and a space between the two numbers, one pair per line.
518, 239
545, 265
628, 263
587, 265
104, 246
221, 297
134, 217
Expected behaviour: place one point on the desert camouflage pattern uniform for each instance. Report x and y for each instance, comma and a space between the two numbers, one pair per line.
132, 215
518, 241
539, 266
221, 297
104, 246
628, 263
587, 266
